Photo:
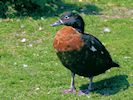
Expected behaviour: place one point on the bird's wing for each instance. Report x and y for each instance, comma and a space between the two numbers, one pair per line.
91, 41
95, 45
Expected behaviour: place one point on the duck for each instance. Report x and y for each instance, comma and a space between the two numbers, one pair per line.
81, 53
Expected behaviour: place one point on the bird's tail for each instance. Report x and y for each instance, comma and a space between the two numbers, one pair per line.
114, 64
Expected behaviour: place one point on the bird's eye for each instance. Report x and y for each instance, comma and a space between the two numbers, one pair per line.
66, 17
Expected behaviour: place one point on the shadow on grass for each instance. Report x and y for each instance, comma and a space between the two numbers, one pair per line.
53, 9
109, 86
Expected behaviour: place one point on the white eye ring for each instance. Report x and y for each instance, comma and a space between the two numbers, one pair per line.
66, 17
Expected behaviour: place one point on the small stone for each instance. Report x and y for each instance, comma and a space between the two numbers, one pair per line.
88, 96
42, 18
18, 20
15, 63
25, 65
49, 92
37, 88
30, 45
23, 40
82, 77
80, 0
106, 30
22, 26
40, 28
16, 34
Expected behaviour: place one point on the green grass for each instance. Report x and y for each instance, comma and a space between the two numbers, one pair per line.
35, 73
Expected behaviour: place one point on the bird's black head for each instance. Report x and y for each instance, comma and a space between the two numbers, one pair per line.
71, 19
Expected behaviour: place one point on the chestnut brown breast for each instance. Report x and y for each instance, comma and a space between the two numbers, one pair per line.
68, 39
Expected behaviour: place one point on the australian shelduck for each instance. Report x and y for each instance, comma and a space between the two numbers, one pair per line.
81, 53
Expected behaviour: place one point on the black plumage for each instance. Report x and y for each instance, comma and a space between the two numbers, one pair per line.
89, 58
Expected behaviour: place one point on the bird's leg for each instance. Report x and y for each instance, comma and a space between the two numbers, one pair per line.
86, 91
90, 84
72, 86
